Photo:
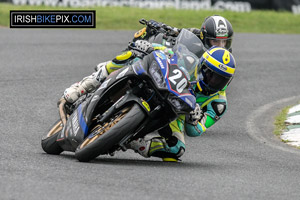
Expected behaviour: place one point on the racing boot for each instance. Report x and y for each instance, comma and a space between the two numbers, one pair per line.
88, 84
158, 147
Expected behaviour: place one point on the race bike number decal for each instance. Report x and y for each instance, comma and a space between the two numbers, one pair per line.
178, 80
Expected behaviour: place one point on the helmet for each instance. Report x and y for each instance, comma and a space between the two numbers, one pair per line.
215, 70
216, 28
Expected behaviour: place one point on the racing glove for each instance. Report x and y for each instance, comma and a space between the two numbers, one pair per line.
171, 31
154, 24
143, 45
194, 116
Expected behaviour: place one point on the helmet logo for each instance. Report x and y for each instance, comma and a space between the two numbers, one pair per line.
226, 57
223, 67
221, 26
221, 30
201, 35
221, 23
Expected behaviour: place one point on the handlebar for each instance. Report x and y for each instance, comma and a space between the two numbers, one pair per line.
164, 28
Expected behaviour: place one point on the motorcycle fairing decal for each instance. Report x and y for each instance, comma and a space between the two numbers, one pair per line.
104, 84
75, 124
173, 60
146, 105
95, 98
122, 74
63, 135
138, 68
162, 61
177, 81
161, 55
189, 99
81, 120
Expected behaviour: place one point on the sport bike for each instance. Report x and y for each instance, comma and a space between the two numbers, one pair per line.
132, 102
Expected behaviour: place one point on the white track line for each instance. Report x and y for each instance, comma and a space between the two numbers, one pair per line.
255, 133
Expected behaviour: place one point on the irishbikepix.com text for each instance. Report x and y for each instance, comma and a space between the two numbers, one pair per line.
52, 19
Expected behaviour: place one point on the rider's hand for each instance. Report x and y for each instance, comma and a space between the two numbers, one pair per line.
143, 45
194, 116
153, 24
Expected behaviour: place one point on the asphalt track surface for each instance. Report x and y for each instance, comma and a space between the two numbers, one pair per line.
238, 158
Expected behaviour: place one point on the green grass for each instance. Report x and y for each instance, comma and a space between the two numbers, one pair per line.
280, 121
125, 18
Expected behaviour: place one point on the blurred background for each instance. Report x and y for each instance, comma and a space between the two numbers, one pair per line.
249, 16
236, 5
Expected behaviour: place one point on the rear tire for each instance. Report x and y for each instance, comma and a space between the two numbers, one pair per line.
49, 143
103, 138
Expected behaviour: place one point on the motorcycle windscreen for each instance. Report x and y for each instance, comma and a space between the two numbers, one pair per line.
191, 41
186, 61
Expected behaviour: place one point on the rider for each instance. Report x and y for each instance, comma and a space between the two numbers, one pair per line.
215, 30
211, 77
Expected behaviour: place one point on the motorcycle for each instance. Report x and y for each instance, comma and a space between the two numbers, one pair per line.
132, 102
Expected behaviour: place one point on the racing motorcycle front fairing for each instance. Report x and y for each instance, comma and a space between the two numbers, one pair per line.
154, 71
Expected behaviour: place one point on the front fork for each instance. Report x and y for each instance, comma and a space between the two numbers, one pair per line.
62, 111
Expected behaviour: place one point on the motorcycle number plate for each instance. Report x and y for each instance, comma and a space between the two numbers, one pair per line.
177, 79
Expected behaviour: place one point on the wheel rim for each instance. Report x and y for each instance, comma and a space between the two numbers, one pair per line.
99, 130
56, 128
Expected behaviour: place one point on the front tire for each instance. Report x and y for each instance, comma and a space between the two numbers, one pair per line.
49, 143
103, 138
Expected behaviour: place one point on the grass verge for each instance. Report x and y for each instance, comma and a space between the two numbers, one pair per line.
126, 18
280, 121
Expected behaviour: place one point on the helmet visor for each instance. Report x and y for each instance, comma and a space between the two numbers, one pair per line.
212, 79
220, 42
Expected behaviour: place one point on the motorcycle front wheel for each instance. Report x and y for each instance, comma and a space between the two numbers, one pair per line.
103, 137
49, 143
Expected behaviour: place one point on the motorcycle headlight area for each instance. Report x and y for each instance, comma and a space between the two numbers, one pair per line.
178, 104
157, 75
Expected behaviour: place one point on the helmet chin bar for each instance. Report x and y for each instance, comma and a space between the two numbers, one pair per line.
205, 89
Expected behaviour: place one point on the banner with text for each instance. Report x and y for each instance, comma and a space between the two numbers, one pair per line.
233, 5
